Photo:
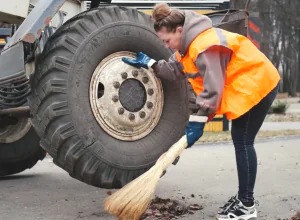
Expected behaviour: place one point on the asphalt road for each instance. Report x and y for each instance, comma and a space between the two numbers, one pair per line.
208, 172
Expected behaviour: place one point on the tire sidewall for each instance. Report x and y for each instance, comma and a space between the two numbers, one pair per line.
21, 155
20, 149
116, 37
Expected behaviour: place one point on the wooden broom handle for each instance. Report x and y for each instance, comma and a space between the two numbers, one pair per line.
168, 158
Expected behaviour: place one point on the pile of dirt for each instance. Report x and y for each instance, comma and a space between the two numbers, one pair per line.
166, 209
296, 217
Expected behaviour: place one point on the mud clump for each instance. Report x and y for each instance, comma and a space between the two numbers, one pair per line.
167, 209
296, 217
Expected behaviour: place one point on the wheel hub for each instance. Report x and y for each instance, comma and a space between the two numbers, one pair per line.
127, 102
132, 95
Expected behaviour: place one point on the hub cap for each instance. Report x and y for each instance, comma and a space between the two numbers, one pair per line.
132, 95
127, 102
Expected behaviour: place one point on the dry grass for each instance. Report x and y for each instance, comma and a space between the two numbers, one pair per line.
283, 117
225, 135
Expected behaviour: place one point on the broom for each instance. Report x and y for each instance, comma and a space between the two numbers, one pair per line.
131, 202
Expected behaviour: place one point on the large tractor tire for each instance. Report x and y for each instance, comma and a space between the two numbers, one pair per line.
101, 120
19, 148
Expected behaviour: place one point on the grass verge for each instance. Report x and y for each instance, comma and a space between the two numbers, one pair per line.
283, 117
226, 136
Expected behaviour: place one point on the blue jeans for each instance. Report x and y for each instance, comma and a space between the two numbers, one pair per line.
244, 130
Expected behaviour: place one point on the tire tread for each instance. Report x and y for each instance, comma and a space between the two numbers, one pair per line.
49, 99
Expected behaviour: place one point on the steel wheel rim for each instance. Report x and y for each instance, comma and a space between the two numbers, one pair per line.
109, 107
13, 133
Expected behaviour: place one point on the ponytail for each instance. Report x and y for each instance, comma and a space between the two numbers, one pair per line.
165, 17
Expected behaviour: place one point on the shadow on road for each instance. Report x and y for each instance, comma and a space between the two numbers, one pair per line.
18, 177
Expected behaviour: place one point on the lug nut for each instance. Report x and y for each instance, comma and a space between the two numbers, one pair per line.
124, 75
115, 98
135, 73
150, 91
142, 71
131, 117
116, 85
145, 79
149, 104
142, 114
121, 111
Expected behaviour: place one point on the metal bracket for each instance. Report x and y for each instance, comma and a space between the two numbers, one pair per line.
12, 64
36, 21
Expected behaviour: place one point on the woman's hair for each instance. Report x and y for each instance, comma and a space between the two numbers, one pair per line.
165, 17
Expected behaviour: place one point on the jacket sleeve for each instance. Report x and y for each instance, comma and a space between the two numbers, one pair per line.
171, 70
212, 66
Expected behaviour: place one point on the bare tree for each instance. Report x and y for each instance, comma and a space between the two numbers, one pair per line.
238, 4
280, 37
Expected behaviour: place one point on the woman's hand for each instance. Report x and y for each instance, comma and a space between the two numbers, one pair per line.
142, 60
194, 129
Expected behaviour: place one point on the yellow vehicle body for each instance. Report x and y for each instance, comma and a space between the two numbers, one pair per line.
197, 11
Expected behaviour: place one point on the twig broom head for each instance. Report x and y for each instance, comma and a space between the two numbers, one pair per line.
130, 202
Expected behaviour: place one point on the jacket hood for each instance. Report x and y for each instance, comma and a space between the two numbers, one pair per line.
194, 25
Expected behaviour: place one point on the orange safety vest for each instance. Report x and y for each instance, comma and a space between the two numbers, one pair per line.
250, 76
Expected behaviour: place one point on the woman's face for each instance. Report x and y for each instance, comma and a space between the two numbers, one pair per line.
171, 39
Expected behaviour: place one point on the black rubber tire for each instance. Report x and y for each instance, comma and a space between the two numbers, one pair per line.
20, 155
60, 98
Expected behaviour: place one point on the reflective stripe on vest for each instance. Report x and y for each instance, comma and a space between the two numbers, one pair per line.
218, 39
250, 76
